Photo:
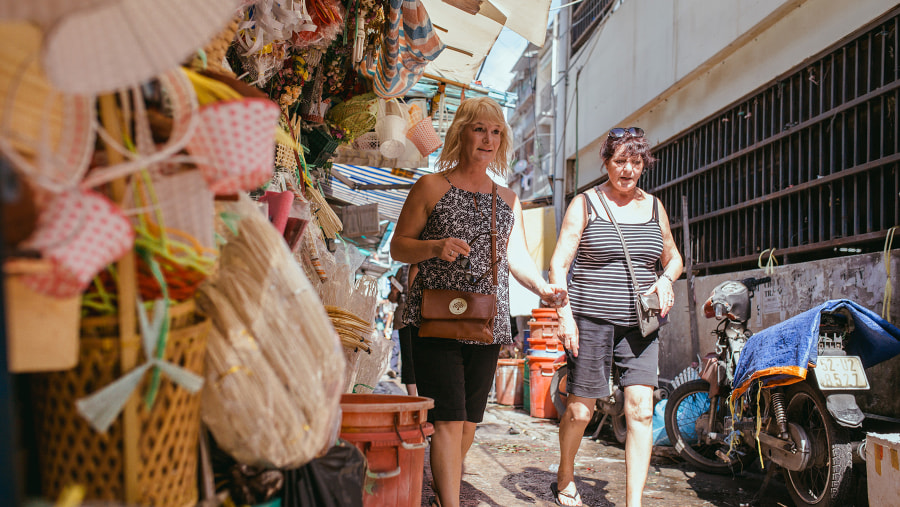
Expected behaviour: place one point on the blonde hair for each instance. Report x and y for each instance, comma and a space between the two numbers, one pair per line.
469, 112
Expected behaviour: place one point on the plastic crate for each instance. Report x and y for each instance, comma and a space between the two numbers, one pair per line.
321, 146
883, 468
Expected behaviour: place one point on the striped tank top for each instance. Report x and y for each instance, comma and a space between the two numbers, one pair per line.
600, 285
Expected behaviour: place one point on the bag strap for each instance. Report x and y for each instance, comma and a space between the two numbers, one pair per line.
494, 230
599, 194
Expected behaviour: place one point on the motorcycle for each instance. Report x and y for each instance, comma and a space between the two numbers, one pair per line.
611, 408
606, 409
811, 429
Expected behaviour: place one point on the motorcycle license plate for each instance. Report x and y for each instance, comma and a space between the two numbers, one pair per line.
841, 372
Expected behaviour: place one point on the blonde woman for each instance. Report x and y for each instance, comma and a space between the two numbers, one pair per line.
445, 228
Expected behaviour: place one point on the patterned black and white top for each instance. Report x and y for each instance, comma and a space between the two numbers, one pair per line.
466, 215
600, 285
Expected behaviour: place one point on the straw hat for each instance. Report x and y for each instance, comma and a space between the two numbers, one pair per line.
97, 46
47, 134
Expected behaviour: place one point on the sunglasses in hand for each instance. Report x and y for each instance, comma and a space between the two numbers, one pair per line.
466, 265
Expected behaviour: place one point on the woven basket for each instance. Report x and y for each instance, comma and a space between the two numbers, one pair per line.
368, 142
285, 157
356, 115
69, 451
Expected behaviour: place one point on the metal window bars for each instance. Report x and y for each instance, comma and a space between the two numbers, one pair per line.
808, 164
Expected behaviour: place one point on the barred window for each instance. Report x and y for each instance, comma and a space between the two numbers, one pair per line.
808, 164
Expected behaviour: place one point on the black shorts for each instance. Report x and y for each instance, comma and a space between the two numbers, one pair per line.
407, 372
457, 376
599, 343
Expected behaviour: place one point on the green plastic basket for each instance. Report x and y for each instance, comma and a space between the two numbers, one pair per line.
321, 146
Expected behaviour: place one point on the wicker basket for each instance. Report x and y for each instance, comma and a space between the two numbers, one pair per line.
69, 451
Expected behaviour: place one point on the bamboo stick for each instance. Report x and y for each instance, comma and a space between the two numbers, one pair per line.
127, 287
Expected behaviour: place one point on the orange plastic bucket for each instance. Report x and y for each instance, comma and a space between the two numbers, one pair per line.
543, 329
537, 343
509, 382
368, 413
544, 314
391, 431
540, 375
548, 344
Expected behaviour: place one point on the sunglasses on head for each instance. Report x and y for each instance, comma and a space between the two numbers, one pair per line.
630, 131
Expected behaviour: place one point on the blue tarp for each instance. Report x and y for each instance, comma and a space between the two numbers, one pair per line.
780, 355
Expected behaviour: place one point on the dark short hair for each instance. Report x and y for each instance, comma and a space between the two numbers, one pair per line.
634, 147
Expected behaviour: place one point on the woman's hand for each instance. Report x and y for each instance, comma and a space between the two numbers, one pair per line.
552, 295
449, 249
663, 289
567, 332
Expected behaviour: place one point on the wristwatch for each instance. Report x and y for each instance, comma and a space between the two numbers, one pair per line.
667, 277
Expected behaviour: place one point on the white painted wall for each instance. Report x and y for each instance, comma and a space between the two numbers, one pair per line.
665, 65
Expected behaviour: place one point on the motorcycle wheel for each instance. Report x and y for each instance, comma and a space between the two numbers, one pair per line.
619, 427
828, 480
559, 395
686, 413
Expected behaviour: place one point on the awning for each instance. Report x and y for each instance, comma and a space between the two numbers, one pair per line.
390, 200
469, 37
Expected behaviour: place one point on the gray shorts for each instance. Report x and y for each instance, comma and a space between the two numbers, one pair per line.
601, 342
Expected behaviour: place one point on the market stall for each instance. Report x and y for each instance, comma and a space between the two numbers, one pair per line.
192, 188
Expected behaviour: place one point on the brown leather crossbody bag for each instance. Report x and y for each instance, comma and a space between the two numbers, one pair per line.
462, 315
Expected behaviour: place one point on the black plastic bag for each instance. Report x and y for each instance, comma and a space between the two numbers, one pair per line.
336, 479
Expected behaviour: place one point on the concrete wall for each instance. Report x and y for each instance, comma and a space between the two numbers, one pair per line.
666, 65
794, 289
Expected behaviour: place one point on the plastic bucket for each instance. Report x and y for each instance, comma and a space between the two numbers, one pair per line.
391, 431
544, 314
543, 328
549, 344
540, 375
536, 343
509, 381
368, 413
526, 387
393, 144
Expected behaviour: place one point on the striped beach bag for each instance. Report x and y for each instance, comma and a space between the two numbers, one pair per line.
405, 51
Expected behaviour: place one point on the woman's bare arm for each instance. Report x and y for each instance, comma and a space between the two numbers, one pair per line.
566, 248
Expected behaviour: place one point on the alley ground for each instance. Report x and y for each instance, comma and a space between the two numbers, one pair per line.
514, 457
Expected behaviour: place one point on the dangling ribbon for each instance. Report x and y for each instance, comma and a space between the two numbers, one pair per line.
886, 301
101, 408
770, 264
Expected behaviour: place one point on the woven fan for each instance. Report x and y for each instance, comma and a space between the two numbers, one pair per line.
45, 133
93, 47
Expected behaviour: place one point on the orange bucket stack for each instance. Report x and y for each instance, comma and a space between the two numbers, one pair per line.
544, 349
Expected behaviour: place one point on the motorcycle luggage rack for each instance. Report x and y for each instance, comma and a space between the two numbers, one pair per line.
831, 342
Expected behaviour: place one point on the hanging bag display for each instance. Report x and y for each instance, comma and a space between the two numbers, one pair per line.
462, 315
647, 307
405, 51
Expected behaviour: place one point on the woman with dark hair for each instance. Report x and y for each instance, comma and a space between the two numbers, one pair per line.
445, 227
599, 324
